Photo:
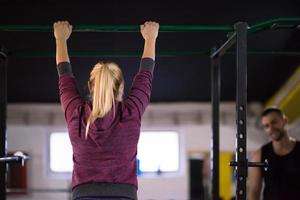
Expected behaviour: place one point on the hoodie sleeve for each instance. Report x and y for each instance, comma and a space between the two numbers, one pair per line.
140, 92
69, 94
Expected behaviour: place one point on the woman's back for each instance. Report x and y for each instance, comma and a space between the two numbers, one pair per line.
104, 132
112, 140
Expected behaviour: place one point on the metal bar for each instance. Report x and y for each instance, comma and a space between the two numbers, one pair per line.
241, 109
114, 28
13, 159
87, 54
215, 144
250, 164
289, 22
10, 159
221, 51
3, 104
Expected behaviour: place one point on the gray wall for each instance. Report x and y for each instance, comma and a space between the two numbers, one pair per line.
29, 127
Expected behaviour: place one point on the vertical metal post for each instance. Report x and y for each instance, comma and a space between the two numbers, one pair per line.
241, 110
3, 103
215, 144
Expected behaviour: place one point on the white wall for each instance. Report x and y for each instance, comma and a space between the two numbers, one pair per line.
33, 140
29, 125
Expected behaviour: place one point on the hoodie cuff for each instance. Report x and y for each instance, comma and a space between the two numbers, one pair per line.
64, 68
147, 64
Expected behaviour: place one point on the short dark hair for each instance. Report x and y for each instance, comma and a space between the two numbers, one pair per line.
272, 109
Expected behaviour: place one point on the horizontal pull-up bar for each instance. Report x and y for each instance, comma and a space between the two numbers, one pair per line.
87, 54
270, 24
110, 28
283, 22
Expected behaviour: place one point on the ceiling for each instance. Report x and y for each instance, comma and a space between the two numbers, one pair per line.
33, 78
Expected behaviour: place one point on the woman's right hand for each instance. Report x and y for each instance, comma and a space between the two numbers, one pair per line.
149, 30
62, 30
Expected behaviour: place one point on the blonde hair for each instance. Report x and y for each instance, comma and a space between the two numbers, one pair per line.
106, 86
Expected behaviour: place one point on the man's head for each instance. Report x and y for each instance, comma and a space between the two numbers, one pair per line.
274, 121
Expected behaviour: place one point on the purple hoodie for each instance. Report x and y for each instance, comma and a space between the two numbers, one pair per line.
108, 155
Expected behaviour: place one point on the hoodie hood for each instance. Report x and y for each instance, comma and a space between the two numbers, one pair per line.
102, 128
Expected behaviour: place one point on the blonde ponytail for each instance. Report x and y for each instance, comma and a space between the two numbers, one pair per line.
106, 87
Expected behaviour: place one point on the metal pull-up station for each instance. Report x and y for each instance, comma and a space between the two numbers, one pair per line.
241, 164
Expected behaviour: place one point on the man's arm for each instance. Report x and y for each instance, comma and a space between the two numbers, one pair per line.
255, 177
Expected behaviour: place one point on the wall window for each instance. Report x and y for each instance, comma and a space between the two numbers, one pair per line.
60, 152
158, 151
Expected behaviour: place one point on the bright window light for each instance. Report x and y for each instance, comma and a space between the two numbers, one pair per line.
60, 152
158, 151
